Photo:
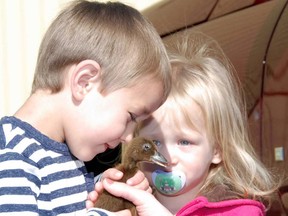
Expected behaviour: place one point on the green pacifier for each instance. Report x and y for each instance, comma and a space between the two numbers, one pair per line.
168, 182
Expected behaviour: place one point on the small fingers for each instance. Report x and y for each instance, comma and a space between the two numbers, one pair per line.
89, 204
139, 181
91, 199
93, 195
99, 187
113, 174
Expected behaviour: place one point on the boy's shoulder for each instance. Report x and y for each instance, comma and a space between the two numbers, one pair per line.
22, 141
12, 132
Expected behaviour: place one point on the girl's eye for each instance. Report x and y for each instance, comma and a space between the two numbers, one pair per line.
184, 142
132, 116
157, 142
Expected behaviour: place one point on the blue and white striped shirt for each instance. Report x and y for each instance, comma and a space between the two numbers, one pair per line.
39, 176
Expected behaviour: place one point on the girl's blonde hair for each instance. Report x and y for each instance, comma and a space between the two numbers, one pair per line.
203, 74
117, 36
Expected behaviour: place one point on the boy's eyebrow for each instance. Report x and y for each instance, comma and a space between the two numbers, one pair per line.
146, 111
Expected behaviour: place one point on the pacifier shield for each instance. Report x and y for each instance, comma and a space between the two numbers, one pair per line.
168, 182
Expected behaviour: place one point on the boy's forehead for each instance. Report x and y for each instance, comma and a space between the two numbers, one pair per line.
151, 93
150, 125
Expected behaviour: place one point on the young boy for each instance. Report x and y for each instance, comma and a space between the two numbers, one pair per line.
101, 68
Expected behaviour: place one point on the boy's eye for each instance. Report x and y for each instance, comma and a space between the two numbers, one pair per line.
132, 116
157, 142
184, 142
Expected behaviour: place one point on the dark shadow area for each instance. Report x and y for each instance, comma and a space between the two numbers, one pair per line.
105, 160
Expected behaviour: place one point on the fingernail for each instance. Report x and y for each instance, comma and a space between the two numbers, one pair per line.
118, 174
109, 181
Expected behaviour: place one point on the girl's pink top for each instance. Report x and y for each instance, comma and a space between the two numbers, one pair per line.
234, 207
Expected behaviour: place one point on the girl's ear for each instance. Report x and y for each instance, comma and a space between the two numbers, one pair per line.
217, 158
84, 76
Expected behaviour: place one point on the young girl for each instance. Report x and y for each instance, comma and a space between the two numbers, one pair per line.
202, 131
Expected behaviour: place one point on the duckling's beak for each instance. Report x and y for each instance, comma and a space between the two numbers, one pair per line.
159, 159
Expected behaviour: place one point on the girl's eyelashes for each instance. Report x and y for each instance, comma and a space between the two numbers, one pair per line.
157, 142
132, 116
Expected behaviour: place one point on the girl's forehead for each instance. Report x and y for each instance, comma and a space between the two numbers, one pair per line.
182, 109
178, 116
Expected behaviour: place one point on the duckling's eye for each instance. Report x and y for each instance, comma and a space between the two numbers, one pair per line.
157, 142
146, 146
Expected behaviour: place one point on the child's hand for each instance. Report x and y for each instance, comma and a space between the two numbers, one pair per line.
138, 181
93, 195
146, 204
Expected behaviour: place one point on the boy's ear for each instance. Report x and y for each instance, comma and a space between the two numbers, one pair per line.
217, 158
84, 77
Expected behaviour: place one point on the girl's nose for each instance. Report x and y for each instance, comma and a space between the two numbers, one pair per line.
173, 160
170, 154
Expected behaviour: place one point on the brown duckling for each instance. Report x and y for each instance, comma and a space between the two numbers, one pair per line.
138, 150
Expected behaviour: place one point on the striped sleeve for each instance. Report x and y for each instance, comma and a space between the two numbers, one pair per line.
19, 184
39, 176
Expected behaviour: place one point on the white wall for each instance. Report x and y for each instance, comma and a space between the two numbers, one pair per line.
23, 23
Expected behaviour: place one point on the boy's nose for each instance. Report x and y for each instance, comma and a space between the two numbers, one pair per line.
127, 136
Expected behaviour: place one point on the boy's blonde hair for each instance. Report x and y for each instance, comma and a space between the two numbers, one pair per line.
117, 36
203, 74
